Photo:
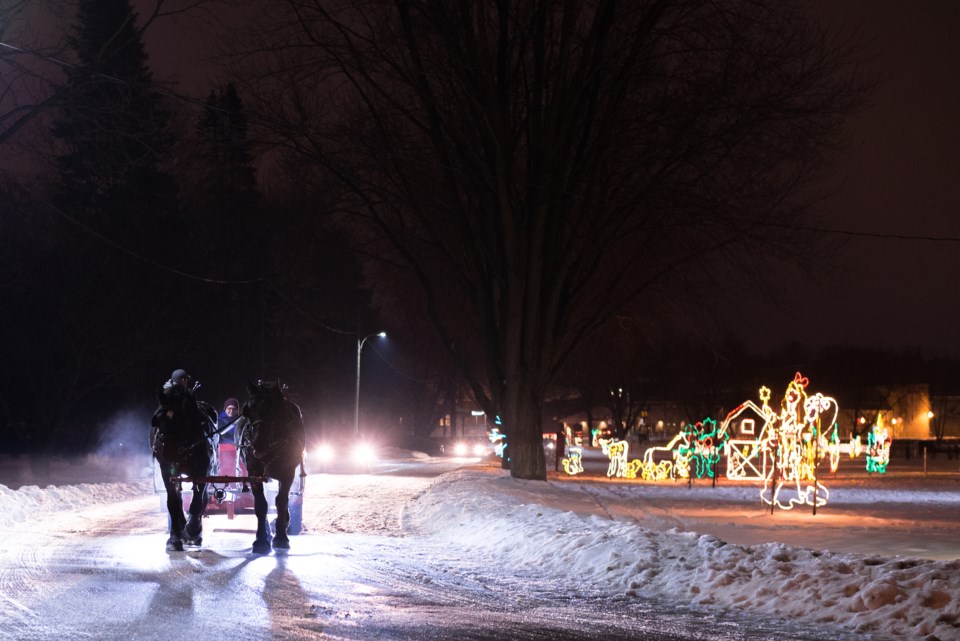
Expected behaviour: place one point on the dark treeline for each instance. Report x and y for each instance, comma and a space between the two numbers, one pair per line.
145, 245
495, 185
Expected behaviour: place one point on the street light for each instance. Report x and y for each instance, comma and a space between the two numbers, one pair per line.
356, 407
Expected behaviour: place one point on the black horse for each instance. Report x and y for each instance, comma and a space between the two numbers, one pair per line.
271, 445
183, 441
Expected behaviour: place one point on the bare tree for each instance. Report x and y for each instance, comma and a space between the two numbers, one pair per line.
540, 166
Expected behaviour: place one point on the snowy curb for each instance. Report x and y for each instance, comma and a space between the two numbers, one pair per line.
30, 501
897, 598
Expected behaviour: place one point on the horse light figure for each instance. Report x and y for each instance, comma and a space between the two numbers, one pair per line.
183, 442
271, 445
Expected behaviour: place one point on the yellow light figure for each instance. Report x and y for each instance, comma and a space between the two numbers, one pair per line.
856, 447
573, 462
651, 470
798, 440
617, 451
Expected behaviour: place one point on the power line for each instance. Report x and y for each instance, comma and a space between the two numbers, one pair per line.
863, 234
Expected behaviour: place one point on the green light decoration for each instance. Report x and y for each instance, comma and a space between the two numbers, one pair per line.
784, 455
878, 448
702, 445
695, 450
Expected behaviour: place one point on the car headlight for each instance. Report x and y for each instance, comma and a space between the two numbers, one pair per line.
460, 449
364, 453
479, 449
323, 453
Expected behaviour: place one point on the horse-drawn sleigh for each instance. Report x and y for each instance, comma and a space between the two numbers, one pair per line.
269, 445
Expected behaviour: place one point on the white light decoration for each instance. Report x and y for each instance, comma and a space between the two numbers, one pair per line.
796, 438
573, 461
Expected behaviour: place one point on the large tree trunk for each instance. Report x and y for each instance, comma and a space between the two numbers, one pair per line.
524, 432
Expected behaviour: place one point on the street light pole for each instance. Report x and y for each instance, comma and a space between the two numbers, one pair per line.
356, 406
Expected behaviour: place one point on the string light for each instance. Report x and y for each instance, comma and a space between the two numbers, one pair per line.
785, 456
878, 447
573, 462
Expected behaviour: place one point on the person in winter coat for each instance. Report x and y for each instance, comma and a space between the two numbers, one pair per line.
179, 382
178, 392
230, 416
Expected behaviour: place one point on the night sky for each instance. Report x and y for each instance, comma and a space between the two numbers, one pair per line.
899, 177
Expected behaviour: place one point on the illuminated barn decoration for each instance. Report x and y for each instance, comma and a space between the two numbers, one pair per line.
747, 458
573, 461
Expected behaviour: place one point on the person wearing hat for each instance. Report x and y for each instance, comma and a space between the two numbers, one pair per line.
180, 379
178, 392
229, 418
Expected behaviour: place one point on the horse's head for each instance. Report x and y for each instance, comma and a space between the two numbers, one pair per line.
265, 404
275, 428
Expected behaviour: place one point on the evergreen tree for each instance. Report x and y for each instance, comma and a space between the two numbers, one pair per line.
113, 128
107, 319
226, 153
222, 185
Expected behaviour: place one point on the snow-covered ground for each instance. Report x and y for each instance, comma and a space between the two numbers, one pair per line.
881, 560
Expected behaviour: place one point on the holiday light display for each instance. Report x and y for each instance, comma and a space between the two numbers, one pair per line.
652, 469
573, 462
856, 447
795, 437
784, 454
696, 450
747, 458
878, 447
620, 465
702, 447
499, 440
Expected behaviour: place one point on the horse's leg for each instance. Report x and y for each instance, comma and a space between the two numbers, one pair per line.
177, 520
262, 543
280, 539
194, 530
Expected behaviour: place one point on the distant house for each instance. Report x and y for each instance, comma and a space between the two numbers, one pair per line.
909, 412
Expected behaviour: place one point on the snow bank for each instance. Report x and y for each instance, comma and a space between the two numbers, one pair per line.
518, 523
31, 501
